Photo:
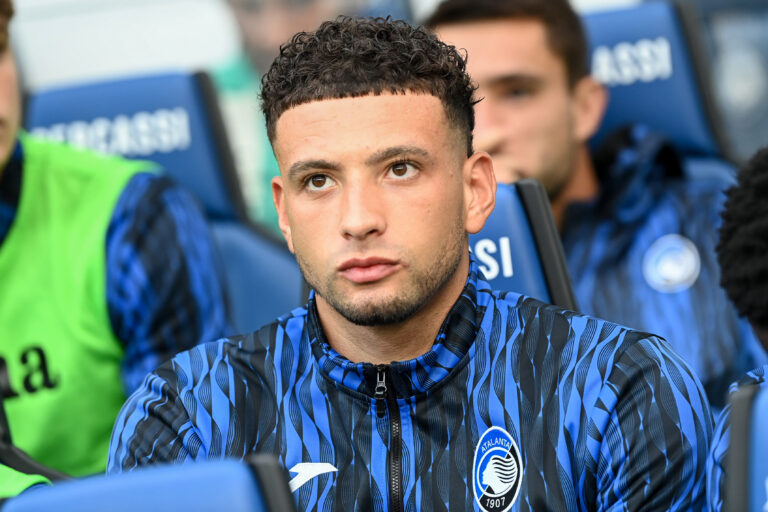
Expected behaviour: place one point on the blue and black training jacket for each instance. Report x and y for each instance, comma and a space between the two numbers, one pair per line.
519, 405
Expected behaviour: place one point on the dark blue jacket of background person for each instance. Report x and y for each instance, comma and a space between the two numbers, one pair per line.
518, 405
643, 255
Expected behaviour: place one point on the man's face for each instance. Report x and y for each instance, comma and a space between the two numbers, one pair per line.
372, 200
10, 103
526, 118
266, 24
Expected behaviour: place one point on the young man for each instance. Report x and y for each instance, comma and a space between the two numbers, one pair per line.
106, 272
638, 237
406, 382
741, 253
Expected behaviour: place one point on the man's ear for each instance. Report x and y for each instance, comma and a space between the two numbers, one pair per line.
479, 191
278, 197
590, 98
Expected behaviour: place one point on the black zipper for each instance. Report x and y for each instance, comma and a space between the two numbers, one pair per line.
386, 401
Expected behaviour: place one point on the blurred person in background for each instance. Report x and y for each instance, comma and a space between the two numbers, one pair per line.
107, 271
741, 252
263, 26
639, 238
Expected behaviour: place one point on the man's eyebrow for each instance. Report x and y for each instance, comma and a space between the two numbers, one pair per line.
512, 79
394, 151
303, 166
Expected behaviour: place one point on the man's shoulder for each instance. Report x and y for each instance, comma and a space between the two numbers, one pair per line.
245, 354
592, 361
538, 319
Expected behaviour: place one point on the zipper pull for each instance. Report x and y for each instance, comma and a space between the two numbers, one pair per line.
380, 394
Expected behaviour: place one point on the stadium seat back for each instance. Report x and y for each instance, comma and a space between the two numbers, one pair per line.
747, 458
171, 119
235, 486
263, 278
653, 65
519, 247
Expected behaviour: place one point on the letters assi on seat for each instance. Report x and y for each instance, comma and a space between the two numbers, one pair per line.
626, 63
495, 256
140, 134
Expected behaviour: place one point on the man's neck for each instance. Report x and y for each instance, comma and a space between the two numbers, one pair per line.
582, 186
403, 341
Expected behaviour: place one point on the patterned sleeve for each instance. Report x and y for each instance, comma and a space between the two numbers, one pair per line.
716, 461
653, 450
169, 419
163, 293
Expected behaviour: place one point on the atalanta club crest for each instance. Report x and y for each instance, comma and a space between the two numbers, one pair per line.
497, 471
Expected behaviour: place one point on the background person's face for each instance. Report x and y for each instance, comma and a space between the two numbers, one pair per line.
266, 24
371, 200
526, 118
10, 103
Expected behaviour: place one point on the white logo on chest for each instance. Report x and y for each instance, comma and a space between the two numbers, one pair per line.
306, 471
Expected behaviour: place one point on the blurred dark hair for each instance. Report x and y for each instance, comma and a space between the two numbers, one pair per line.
565, 31
351, 57
743, 247
6, 9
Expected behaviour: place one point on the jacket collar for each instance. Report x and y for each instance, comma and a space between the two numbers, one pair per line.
634, 166
407, 378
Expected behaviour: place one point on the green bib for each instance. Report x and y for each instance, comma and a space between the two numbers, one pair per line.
13, 483
64, 387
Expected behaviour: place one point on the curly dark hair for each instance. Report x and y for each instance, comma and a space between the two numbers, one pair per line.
565, 32
352, 57
743, 247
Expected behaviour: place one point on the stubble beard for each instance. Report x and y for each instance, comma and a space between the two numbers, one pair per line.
424, 284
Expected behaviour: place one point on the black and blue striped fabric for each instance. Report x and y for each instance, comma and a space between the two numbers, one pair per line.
645, 196
605, 418
162, 294
721, 440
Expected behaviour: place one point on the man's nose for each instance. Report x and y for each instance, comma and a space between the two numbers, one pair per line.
362, 211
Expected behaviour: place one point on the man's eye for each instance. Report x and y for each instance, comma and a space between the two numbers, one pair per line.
402, 170
319, 182
517, 92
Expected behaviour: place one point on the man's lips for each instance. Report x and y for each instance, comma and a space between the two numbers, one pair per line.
368, 270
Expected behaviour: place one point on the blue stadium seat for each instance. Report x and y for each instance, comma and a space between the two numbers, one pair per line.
746, 462
173, 119
519, 247
260, 485
262, 279
653, 65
